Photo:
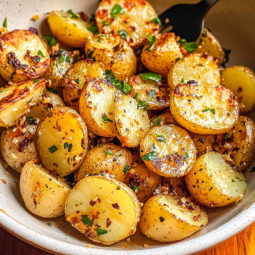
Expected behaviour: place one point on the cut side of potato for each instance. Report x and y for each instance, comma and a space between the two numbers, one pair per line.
131, 119
23, 56
104, 210
241, 81
213, 182
17, 100
200, 69
42, 193
133, 17
168, 151
97, 107
62, 141
166, 218
204, 110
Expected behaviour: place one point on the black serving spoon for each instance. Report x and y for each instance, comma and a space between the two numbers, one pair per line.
187, 20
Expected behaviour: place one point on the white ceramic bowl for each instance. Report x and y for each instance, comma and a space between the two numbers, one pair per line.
232, 22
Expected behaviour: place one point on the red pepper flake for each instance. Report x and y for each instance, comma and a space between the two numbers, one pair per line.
92, 203
3, 181
183, 51
195, 218
116, 206
108, 222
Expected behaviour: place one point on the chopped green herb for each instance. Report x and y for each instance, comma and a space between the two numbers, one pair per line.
134, 187
12, 75
108, 153
62, 60
49, 224
101, 145
105, 118
87, 220
50, 40
123, 34
76, 59
152, 93
40, 54
101, 232
68, 59
211, 110
136, 96
177, 59
150, 156
151, 42
253, 170
90, 55
233, 181
64, 16
68, 146
161, 138
104, 23
5, 23
52, 149
151, 76
30, 119
182, 80
156, 20
126, 169
77, 81
226, 136
36, 81
157, 121
52, 90
126, 88
73, 16
93, 30
183, 40
190, 46
186, 155
112, 62
117, 9
37, 60
142, 104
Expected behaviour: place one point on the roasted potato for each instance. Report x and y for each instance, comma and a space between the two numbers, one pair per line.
18, 147
207, 42
168, 151
213, 182
103, 209
114, 53
133, 20
241, 81
153, 92
204, 110
69, 28
97, 107
238, 144
75, 79
166, 218
47, 102
17, 100
23, 56
175, 187
162, 55
199, 69
142, 181
62, 141
131, 119
106, 159
42, 193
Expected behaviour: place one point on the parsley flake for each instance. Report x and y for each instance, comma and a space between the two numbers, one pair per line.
101, 232
52, 149
226, 136
151, 76
52, 90
105, 118
76, 59
101, 145
150, 156
182, 80
68, 59
93, 30
50, 40
190, 46
73, 15
12, 75
5, 23
87, 220
161, 138
126, 169
108, 153
90, 55
134, 187
49, 224
117, 9
62, 60
208, 109
136, 96
233, 181
186, 155
152, 93
151, 42
30, 119
77, 81
123, 34
68, 146
126, 88
157, 121
142, 104
36, 81
41, 54
156, 20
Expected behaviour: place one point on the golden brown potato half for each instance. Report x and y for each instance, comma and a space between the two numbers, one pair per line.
204, 110
133, 20
241, 81
42, 193
106, 159
238, 144
166, 218
213, 182
168, 151
114, 53
18, 147
131, 119
200, 69
47, 102
207, 42
175, 187
23, 56
103, 209
75, 79
97, 107
62, 141
155, 93
69, 28
17, 100
160, 57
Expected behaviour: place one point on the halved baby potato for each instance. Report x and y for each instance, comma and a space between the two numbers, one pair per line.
62, 141
241, 81
17, 100
75, 79
204, 110
131, 119
166, 218
213, 182
200, 69
114, 53
103, 209
43, 194
133, 20
69, 28
23, 56
168, 151
160, 57
153, 92
97, 107
176, 186
106, 159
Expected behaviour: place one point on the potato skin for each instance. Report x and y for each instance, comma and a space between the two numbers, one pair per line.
19, 56
166, 218
43, 194
114, 53
19, 147
98, 162
163, 54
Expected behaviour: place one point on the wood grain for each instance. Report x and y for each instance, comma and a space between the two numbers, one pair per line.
242, 244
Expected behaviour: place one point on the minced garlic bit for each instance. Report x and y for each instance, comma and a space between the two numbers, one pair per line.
14, 156
146, 245
132, 171
89, 246
35, 17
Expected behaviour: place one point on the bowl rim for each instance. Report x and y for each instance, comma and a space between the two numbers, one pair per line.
199, 244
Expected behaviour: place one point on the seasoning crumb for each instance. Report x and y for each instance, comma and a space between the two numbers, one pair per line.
3, 181
89, 246
35, 17
146, 245
128, 240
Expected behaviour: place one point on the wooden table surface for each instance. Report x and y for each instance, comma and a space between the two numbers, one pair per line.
242, 244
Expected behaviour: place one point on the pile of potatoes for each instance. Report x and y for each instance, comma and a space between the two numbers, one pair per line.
156, 147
